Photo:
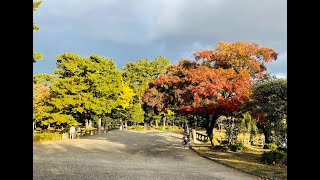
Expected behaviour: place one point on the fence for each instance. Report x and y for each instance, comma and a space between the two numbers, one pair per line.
83, 133
201, 136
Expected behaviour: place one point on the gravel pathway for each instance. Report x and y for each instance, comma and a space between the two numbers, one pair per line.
125, 155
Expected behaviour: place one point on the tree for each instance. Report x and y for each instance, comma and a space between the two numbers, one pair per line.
42, 109
217, 83
139, 74
41, 94
143, 72
269, 105
127, 110
43, 78
87, 87
248, 125
136, 113
36, 55
232, 127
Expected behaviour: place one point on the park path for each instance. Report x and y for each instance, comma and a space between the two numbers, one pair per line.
125, 155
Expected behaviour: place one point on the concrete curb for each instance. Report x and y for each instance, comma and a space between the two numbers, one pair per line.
252, 173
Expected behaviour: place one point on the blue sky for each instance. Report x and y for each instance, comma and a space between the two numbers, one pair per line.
128, 30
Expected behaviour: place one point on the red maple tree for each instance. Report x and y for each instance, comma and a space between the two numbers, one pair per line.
217, 83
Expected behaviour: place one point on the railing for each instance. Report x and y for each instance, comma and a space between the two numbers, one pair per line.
83, 133
80, 133
201, 137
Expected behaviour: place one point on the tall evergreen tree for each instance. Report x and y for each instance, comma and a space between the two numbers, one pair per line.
87, 87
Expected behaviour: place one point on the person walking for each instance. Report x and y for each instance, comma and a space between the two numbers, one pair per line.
72, 132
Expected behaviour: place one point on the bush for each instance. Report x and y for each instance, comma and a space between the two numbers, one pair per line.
169, 128
271, 146
130, 127
282, 149
139, 128
235, 147
273, 156
153, 127
224, 142
46, 136
161, 128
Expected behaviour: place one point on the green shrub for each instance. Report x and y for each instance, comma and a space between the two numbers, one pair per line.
169, 128
271, 146
139, 128
46, 136
161, 128
224, 142
130, 127
37, 137
235, 147
153, 127
273, 156
282, 149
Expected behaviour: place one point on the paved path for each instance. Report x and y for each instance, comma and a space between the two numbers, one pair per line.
125, 155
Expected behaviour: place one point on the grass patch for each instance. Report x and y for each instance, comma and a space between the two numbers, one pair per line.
248, 160
46, 136
221, 135
137, 128
271, 146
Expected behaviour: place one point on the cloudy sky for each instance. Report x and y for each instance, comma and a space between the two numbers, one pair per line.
128, 30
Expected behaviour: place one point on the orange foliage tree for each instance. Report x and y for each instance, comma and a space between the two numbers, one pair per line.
216, 83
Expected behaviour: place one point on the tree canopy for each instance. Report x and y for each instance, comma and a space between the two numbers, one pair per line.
269, 105
36, 55
217, 83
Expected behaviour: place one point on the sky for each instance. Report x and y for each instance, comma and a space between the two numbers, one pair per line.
129, 30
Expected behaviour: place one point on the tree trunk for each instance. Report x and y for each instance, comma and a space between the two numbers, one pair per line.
48, 126
105, 126
251, 139
173, 123
210, 125
90, 123
87, 123
120, 128
243, 139
126, 124
99, 122
164, 121
266, 134
157, 126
